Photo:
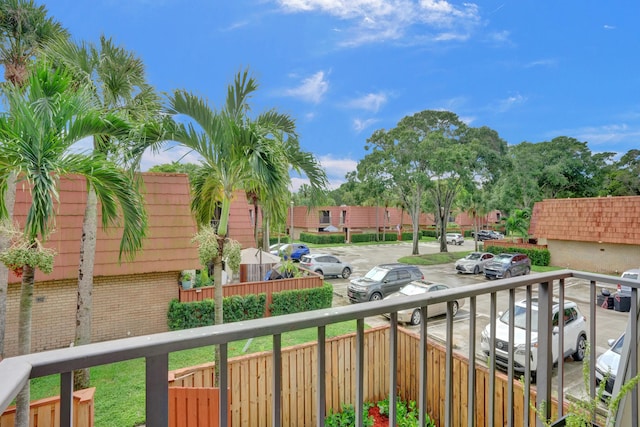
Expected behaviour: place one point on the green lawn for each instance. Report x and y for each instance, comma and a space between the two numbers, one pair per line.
120, 392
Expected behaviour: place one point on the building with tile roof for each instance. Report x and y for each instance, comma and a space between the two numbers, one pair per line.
599, 234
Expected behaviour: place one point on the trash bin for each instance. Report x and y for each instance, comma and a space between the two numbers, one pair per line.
605, 299
621, 302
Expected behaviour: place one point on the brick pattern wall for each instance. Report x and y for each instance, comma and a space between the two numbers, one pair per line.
123, 306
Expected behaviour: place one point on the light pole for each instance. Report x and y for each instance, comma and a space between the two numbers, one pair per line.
291, 224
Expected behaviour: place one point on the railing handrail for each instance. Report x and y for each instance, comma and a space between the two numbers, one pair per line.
16, 370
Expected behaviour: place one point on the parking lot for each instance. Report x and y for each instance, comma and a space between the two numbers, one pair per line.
610, 324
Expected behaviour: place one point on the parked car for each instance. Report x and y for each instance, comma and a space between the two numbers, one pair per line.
326, 265
290, 250
474, 262
454, 238
633, 274
417, 288
575, 336
488, 235
507, 265
382, 280
607, 364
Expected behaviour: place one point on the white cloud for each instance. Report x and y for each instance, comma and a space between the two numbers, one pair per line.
171, 154
609, 27
369, 102
335, 168
541, 63
359, 125
312, 89
510, 102
372, 21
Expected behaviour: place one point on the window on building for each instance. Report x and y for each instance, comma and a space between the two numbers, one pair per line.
325, 217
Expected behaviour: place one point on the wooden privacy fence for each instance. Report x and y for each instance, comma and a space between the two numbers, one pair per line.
250, 381
46, 412
248, 288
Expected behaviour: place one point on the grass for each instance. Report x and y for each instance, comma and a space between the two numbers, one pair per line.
120, 387
434, 259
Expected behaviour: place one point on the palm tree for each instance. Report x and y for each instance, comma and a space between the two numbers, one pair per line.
117, 82
238, 153
518, 223
24, 28
47, 117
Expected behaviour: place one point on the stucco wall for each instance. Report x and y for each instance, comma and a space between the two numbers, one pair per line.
604, 258
122, 306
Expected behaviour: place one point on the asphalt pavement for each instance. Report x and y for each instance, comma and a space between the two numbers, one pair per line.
610, 324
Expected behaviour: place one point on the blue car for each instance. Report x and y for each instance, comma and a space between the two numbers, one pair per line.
293, 250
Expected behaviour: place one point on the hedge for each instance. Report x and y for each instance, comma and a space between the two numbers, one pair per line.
298, 300
371, 237
282, 239
184, 315
322, 238
540, 257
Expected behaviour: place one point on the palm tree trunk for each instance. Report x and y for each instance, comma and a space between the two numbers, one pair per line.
81, 377
9, 201
218, 307
24, 342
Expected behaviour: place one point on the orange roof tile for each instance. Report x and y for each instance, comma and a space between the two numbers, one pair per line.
600, 219
167, 246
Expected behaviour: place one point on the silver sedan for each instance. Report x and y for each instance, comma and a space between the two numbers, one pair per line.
420, 287
474, 262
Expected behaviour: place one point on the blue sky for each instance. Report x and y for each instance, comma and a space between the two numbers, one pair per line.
531, 70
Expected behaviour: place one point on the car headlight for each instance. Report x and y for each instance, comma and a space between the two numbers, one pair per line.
358, 288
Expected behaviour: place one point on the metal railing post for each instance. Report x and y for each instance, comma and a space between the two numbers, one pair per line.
157, 400
544, 350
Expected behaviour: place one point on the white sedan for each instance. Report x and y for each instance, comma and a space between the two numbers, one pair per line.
473, 263
420, 287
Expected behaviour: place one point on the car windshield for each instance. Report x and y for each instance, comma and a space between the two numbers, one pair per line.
520, 317
503, 259
375, 274
306, 259
473, 255
632, 276
617, 348
412, 290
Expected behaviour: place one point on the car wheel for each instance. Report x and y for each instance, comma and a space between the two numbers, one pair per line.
476, 270
416, 317
376, 296
320, 272
581, 349
346, 272
507, 274
454, 309
527, 271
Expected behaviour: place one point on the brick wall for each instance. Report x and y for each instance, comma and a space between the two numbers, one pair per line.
122, 306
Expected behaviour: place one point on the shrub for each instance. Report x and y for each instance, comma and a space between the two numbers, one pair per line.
363, 237
539, 257
406, 413
407, 235
299, 300
346, 417
185, 315
322, 238
273, 240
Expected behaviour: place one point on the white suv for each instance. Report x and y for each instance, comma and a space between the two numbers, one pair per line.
454, 238
575, 336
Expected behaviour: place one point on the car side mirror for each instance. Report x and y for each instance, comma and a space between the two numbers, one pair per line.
555, 330
611, 341
500, 313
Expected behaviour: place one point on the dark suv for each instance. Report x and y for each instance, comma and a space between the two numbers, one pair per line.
507, 265
382, 280
487, 235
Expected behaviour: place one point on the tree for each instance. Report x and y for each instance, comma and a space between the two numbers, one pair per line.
434, 153
116, 80
236, 151
621, 178
24, 29
47, 117
518, 223
176, 167
472, 200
